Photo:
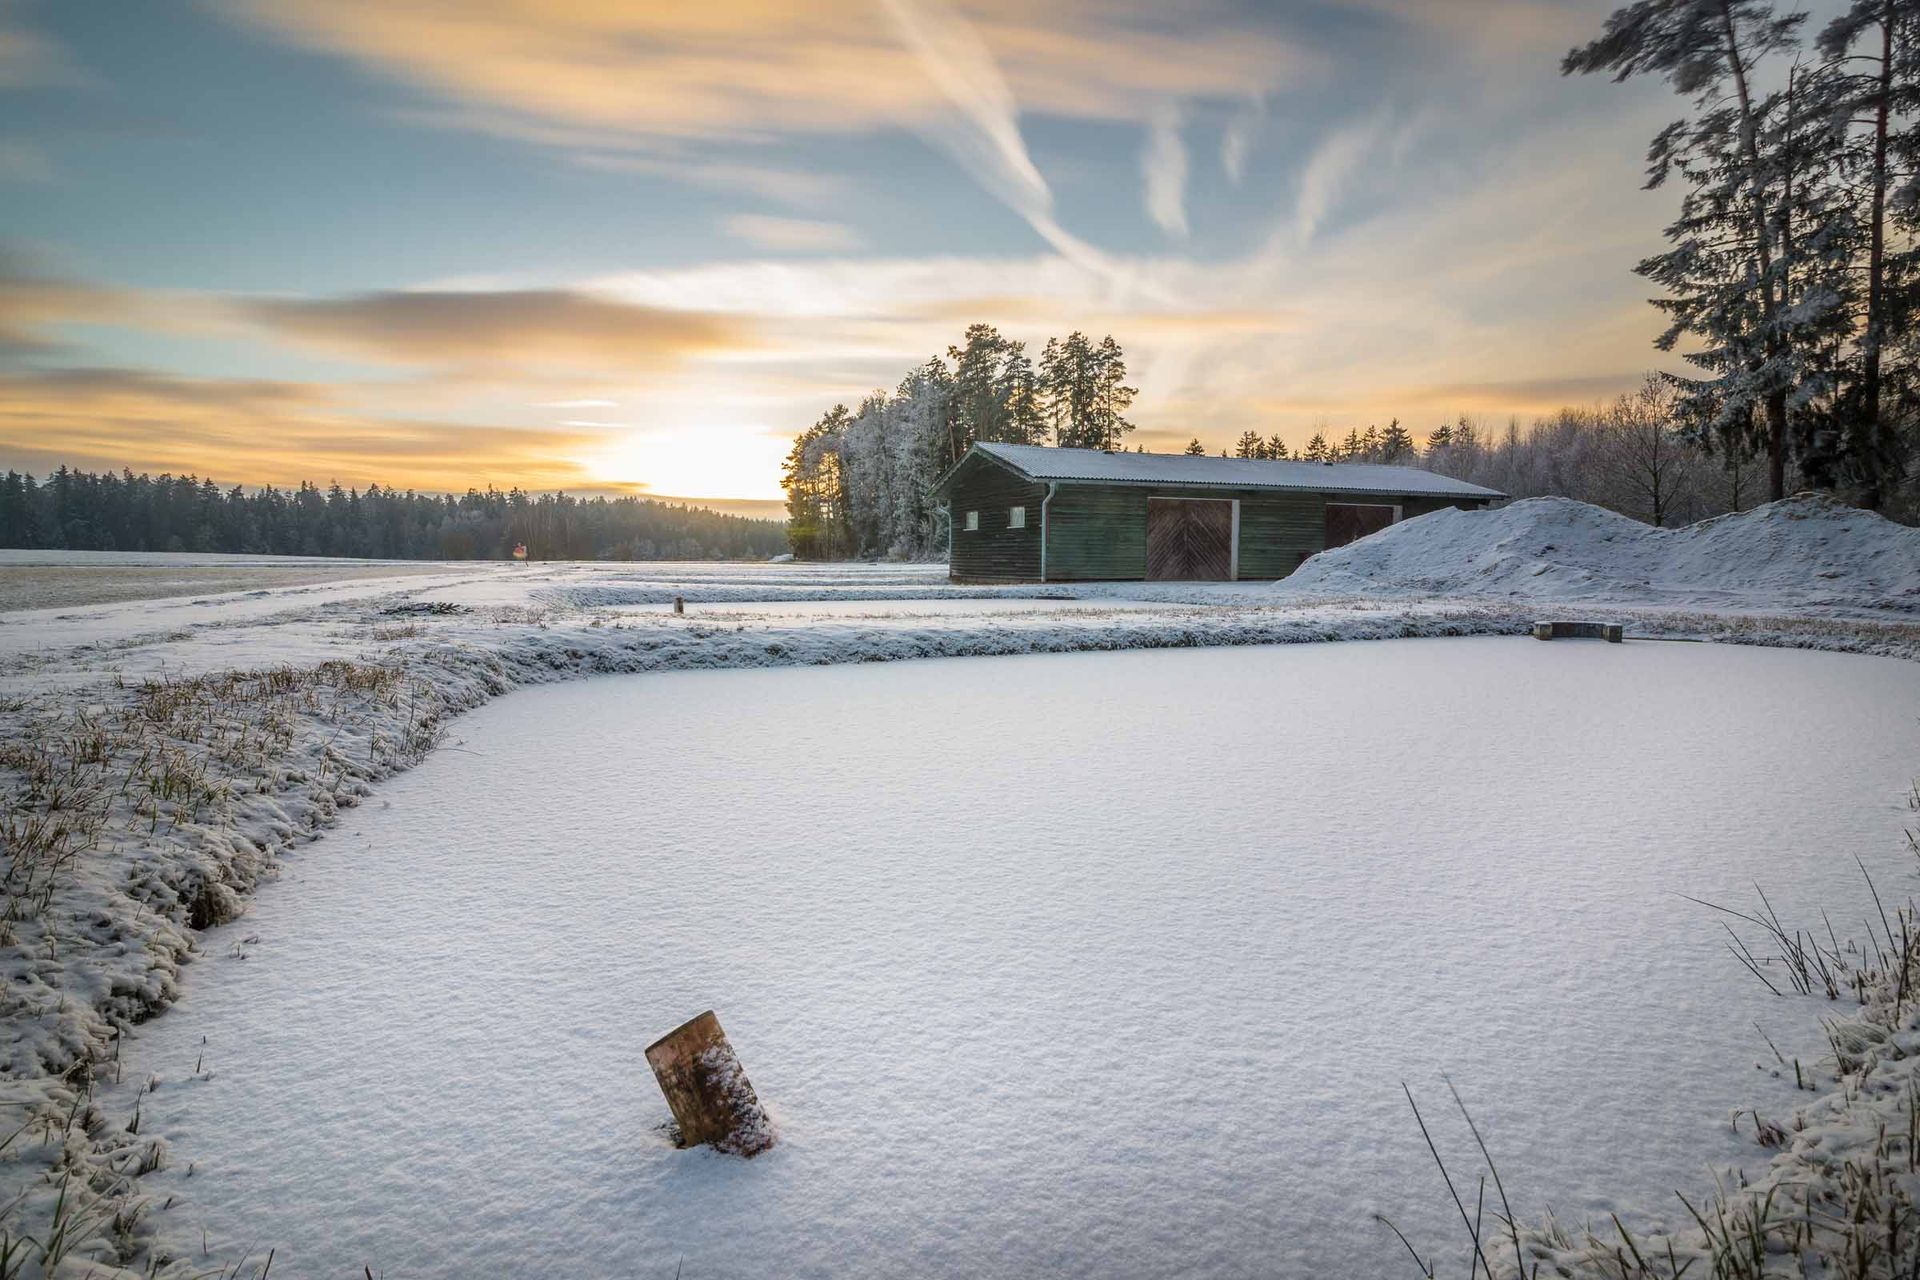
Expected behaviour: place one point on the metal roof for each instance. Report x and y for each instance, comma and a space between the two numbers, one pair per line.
1096, 466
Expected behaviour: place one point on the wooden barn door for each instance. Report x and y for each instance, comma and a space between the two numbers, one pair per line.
1189, 539
1350, 521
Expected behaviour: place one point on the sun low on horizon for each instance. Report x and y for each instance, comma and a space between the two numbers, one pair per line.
637, 249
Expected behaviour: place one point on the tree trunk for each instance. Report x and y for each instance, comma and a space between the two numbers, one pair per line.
1777, 446
711, 1099
1763, 247
1868, 444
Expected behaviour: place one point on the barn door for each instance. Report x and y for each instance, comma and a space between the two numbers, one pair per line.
1349, 521
1189, 539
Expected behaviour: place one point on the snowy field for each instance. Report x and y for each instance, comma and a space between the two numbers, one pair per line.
68, 579
1076, 960
1108, 964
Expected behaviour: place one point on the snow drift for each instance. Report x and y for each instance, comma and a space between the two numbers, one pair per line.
1805, 551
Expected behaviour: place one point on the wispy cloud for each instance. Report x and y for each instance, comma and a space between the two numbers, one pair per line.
1330, 170
1236, 140
983, 130
803, 235
1163, 167
524, 329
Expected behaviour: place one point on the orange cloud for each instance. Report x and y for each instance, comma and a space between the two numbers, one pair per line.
261, 432
531, 327
753, 68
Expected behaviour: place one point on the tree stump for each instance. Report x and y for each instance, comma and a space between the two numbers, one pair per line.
713, 1103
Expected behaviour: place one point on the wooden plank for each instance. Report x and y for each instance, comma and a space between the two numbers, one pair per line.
1189, 540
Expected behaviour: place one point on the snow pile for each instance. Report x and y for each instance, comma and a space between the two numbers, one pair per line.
1803, 552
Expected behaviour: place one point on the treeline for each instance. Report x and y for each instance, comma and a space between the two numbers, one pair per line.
857, 480
82, 511
1790, 275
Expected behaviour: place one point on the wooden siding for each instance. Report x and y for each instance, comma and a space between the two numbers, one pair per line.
994, 552
1098, 533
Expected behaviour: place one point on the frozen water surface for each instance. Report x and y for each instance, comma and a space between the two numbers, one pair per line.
1105, 964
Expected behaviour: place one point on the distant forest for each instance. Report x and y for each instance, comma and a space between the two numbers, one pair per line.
81, 511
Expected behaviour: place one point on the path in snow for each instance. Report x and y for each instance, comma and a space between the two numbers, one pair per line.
1095, 964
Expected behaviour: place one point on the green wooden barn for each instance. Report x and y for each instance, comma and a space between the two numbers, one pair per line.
1027, 513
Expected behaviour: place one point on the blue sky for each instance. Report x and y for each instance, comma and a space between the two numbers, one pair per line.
639, 245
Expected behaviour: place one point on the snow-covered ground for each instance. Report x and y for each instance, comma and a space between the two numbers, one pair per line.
1107, 964
164, 756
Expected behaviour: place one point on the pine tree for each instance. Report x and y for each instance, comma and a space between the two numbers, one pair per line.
1195, 449
1730, 272
1276, 448
1250, 445
1396, 444
1874, 56
1317, 450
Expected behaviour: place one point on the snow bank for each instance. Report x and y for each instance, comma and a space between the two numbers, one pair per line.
1803, 552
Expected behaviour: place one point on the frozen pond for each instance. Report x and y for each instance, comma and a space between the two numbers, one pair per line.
1105, 964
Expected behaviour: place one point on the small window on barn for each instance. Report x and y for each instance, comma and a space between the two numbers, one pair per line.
1016, 517
973, 521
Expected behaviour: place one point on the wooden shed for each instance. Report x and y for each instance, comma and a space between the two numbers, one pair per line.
1027, 513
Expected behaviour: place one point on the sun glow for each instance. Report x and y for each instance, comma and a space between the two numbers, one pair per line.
693, 462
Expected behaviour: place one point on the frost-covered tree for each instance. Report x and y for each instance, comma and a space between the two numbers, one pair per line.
1732, 278
1873, 95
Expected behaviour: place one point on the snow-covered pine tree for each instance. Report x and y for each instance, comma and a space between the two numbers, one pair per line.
1728, 276
1873, 48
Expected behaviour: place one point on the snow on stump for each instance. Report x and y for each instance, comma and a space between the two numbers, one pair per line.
713, 1103
1611, 632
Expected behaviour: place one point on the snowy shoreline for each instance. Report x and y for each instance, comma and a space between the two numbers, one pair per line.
193, 760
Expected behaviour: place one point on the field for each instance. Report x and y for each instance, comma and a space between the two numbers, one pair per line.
1098, 939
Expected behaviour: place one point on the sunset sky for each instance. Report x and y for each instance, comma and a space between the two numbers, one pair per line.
620, 245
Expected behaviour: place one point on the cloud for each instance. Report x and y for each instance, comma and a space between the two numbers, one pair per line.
29, 60
259, 432
33, 306
1332, 166
749, 68
529, 328
983, 130
1163, 166
791, 234
1237, 139
800, 189
608, 78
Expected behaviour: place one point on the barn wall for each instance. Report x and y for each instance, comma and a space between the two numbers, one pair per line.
1099, 533
994, 552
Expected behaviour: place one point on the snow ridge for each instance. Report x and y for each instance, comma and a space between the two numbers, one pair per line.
1807, 551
